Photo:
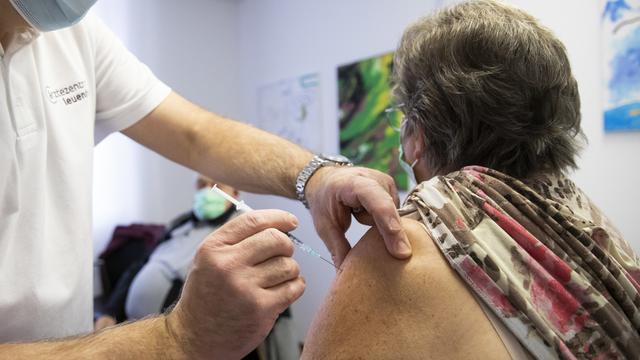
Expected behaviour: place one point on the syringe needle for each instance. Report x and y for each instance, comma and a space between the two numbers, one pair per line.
330, 263
242, 206
309, 250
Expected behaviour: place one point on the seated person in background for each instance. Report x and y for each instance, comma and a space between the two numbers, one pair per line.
152, 284
511, 259
157, 285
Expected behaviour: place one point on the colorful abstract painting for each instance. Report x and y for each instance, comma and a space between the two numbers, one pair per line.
621, 45
366, 138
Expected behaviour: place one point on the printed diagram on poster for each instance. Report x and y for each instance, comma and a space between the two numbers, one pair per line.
364, 92
290, 108
621, 51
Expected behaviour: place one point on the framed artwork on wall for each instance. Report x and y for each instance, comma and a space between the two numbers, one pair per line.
621, 51
291, 108
366, 137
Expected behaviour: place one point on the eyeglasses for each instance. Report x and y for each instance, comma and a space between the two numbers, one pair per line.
395, 116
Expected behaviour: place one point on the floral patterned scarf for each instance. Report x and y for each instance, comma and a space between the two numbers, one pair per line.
541, 256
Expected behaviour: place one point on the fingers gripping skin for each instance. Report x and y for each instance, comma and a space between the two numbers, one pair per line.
242, 278
331, 224
335, 192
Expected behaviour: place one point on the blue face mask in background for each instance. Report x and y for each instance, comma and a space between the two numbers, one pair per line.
49, 15
208, 205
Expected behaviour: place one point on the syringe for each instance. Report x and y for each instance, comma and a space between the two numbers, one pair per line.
242, 206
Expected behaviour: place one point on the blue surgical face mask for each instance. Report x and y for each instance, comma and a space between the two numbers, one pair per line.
207, 205
49, 15
408, 168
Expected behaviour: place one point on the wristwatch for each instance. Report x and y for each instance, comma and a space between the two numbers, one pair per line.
312, 166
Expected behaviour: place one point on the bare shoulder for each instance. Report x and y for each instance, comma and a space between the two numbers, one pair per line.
382, 308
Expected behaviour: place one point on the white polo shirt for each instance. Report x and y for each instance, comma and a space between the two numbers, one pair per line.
60, 93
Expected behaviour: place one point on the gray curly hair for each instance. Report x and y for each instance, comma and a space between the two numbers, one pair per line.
485, 84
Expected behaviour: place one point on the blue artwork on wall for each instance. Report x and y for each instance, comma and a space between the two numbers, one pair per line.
614, 8
621, 27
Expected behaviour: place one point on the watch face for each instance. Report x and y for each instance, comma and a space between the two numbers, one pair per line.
337, 159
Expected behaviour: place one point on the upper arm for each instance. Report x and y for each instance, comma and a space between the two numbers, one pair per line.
381, 307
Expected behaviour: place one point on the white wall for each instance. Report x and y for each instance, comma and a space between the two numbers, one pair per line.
191, 48
199, 50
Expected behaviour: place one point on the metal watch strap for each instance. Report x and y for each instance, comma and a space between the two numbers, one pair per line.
312, 166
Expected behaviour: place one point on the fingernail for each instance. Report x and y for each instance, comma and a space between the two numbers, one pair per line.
403, 248
293, 219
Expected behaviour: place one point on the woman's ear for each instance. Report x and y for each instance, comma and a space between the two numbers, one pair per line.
418, 152
417, 146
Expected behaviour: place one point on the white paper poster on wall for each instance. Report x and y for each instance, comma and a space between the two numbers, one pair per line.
290, 108
621, 51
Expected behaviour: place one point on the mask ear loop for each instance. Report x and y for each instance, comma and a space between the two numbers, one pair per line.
401, 129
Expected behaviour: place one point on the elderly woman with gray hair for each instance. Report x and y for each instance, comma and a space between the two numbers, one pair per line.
511, 259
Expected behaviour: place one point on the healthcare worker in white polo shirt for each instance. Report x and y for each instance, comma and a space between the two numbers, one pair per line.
65, 83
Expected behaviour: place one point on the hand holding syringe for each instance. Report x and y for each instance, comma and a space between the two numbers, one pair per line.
242, 206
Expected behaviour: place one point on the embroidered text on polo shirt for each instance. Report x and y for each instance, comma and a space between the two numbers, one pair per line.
70, 94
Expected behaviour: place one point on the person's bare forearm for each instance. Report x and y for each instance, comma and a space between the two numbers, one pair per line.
228, 151
252, 159
145, 339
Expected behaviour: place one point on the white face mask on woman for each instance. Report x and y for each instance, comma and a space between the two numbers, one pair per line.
49, 15
408, 168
